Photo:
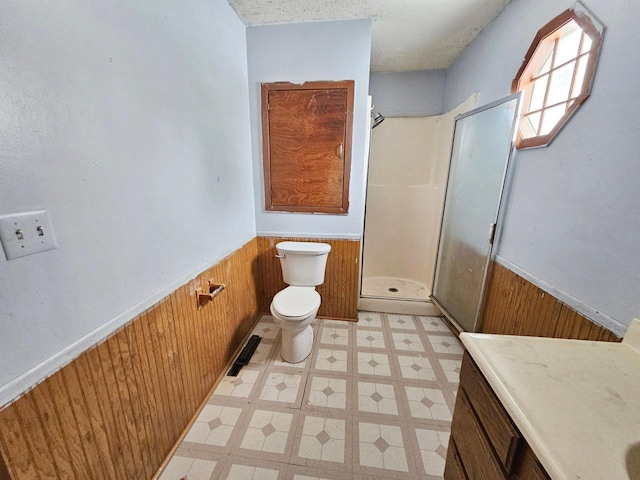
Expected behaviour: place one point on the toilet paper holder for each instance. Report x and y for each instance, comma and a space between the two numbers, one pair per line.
213, 290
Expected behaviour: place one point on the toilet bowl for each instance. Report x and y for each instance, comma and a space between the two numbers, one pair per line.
294, 309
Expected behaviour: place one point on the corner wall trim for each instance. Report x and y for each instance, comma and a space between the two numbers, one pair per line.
29, 379
588, 311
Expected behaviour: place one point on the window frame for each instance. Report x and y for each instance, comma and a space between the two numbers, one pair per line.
543, 44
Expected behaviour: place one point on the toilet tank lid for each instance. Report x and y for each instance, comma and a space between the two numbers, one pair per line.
303, 248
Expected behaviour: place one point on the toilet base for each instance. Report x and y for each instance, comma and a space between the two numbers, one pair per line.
296, 346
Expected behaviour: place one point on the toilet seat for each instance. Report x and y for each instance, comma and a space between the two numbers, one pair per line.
296, 303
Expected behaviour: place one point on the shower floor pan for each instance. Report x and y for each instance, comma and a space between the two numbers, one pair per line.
396, 295
396, 288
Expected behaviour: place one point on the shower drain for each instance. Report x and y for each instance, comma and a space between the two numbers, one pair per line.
393, 289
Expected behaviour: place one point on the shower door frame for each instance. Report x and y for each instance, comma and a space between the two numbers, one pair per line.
496, 225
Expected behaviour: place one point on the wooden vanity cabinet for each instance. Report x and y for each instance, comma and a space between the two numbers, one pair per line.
485, 444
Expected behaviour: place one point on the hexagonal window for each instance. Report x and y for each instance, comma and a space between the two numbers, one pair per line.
557, 75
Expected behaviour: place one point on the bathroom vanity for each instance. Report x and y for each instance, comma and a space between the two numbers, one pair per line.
538, 408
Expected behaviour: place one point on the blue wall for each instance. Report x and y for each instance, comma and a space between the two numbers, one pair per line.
306, 52
572, 221
408, 94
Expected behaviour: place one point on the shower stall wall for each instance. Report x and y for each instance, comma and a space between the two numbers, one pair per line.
408, 166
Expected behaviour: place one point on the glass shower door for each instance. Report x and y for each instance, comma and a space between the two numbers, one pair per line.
479, 161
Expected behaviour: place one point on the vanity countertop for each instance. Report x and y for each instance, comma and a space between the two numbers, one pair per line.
576, 402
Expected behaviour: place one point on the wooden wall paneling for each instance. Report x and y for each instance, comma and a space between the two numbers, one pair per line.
340, 290
115, 393
38, 443
515, 306
269, 281
190, 319
123, 346
571, 324
221, 319
95, 376
52, 431
541, 315
605, 335
123, 391
107, 446
159, 354
117, 410
94, 443
498, 297
146, 371
152, 383
120, 447
13, 441
182, 332
207, 343
208, 320
194, 354
4, 472
66, 428
174, 364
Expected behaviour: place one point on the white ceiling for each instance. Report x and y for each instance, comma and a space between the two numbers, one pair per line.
408, 35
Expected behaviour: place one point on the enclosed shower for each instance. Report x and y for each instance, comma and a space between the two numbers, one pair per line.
406, 186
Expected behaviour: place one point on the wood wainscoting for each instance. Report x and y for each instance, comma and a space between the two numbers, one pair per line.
116, 411
515, 306
340, 289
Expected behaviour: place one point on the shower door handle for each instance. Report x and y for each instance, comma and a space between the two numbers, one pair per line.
340, 150
492, 233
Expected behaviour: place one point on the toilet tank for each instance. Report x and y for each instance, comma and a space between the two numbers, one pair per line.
303, 263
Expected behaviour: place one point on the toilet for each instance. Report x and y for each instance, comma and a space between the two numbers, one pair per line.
294, 308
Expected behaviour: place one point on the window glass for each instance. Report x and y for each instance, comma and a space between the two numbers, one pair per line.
534, 121
568, 44
586, 44
580, 75
547, 64
560, 84
551, 118
539, 91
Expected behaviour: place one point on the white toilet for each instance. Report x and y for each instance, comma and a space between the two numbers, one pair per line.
294, 308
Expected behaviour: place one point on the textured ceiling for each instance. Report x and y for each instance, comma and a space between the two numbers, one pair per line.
408, 35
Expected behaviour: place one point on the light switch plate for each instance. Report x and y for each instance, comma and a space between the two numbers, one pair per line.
27, 233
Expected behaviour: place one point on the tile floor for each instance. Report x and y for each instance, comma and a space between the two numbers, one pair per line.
373, 400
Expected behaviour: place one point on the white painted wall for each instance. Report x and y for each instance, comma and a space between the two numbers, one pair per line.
307, 52
408, 94
129, 122
572, 221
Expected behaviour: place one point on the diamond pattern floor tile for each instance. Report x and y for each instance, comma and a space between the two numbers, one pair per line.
323, 439
373, 400
370, 338
327, 393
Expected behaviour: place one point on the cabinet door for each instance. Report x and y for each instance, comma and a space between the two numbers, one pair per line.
472, 444
307, 146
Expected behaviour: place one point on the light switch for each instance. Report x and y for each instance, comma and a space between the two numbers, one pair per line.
24, 234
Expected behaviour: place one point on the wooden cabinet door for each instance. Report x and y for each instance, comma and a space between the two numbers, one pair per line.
307, 146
